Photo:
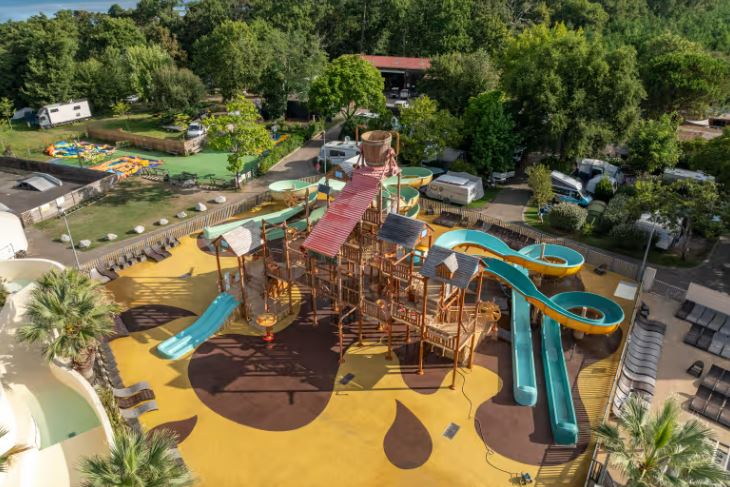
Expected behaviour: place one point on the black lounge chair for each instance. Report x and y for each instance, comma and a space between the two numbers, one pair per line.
705, 340
645, 350
630, 386
723, 386
108, 273
647, 337
693, 335
712, 377
706, 317
700, 400
161, 251
716, 322
725, 352
601, 269
718, 343
685, 310
696, 313
696, 369
724, 418
136, 412
652, 325
714, 406
151, 254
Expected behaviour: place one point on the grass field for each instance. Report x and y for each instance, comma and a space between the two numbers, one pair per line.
489, 195
657, 257
142, 124
30, 143
132, 202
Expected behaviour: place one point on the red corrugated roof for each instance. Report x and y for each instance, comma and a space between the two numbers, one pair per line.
393, 62
345, 212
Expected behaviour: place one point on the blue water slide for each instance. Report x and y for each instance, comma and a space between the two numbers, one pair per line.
563, 421
524, 384
204, 327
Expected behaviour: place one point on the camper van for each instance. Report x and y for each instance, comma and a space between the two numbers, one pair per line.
666, 237
61, 113
569, 189
593, 170
456, 187
675, 174
338, 151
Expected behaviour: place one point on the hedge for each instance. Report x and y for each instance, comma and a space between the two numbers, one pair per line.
627, 236
567, 216
292, 142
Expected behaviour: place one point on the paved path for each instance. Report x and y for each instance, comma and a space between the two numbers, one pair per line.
296, 165
509, 203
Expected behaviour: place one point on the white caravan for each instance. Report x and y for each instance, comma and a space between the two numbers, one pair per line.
456, 187
338, 151
671, 175
62, 113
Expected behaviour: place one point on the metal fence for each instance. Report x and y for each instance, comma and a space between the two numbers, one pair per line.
178, 230
591, 255
668, 290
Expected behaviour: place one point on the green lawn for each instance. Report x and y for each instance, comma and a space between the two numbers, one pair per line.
142, 124
489, 195
132, 202
30, 143
657, 257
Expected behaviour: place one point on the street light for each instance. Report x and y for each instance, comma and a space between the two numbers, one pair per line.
648, 246
59, 204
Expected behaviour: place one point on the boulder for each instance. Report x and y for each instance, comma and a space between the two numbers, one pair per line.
84, 244
163, 221
65, 238
111, 236
182, 215
220, 199
139, 229
200, 207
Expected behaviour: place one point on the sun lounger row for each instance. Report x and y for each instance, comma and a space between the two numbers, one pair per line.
157, 252
711, 399
715, 342
705, 317
639, 367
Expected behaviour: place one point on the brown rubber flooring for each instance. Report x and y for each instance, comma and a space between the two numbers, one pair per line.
145, 317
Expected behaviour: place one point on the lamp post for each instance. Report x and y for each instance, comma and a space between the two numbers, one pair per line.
648, 246
59, 204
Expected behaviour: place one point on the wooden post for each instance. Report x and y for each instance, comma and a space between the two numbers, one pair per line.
397, 201
287, 262
312, 287
423, 325
242, 278
306, 209
341, 339
216, 244
458, 339
389, 355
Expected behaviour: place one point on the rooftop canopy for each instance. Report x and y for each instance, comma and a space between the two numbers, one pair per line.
243, 239
402, 230
461, 267
399, 63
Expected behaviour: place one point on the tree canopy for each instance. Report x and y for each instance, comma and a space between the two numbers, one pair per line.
427, 131
654, 146
490, 133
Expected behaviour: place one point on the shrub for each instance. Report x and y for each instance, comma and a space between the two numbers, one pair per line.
280, 150
566, 216
627, 236
616, 212
3, 292
604, 189
540, 182
463, 166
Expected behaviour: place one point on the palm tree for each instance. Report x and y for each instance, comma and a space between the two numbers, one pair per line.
69, 313
6, 458
659, 450
137, 461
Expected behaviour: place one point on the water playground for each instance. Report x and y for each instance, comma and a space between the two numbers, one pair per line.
72, 150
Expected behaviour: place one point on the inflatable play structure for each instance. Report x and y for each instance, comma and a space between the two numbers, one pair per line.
70, 150
127, 165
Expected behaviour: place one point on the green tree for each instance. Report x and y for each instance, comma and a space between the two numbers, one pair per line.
142, 63
570, 95
7, 110
455, 77
680, 75
440, 27
713, 157
175, 89
121, 109
604, 189
68, 314
347, 83
427, 131
658, 450
654, 146
202, 17
239, 133
579, 13
106, 31
541, 184
6, 457
229, 58
489, 132
137, 460
103, 80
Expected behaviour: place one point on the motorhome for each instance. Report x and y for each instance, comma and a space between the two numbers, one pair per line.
569, 189
62, 113
671, 175
666, 237
338, 151
593, 170
456, 187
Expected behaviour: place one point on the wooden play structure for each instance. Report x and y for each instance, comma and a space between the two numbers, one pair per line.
372, 264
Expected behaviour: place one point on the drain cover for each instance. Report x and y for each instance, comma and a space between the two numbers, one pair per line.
451, 430
347, 378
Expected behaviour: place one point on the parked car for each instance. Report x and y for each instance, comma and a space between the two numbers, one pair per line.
400, 104
405, 94
195, 129
394, 91
569, 189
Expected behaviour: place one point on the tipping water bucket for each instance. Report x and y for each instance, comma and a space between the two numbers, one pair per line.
375, 147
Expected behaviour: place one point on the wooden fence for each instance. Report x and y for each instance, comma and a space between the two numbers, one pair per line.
592, 256
170, 146
178, 230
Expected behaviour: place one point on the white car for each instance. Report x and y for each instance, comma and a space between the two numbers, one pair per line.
404, 94
195, 129
400, 104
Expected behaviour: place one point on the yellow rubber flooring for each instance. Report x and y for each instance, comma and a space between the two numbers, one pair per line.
344, 444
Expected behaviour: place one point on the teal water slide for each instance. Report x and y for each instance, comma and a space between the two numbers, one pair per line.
563, 421
204, 327
524, 383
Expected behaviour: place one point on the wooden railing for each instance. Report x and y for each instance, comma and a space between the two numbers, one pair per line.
170, 146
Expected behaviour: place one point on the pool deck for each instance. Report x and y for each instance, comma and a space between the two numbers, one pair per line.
248, 414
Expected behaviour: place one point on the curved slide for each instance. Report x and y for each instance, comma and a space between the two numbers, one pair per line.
563, 421
524, 383
545, 259
204, 327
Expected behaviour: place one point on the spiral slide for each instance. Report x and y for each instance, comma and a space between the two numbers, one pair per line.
204, 327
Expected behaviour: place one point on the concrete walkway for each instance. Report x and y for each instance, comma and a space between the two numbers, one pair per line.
509, 203
296, 165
